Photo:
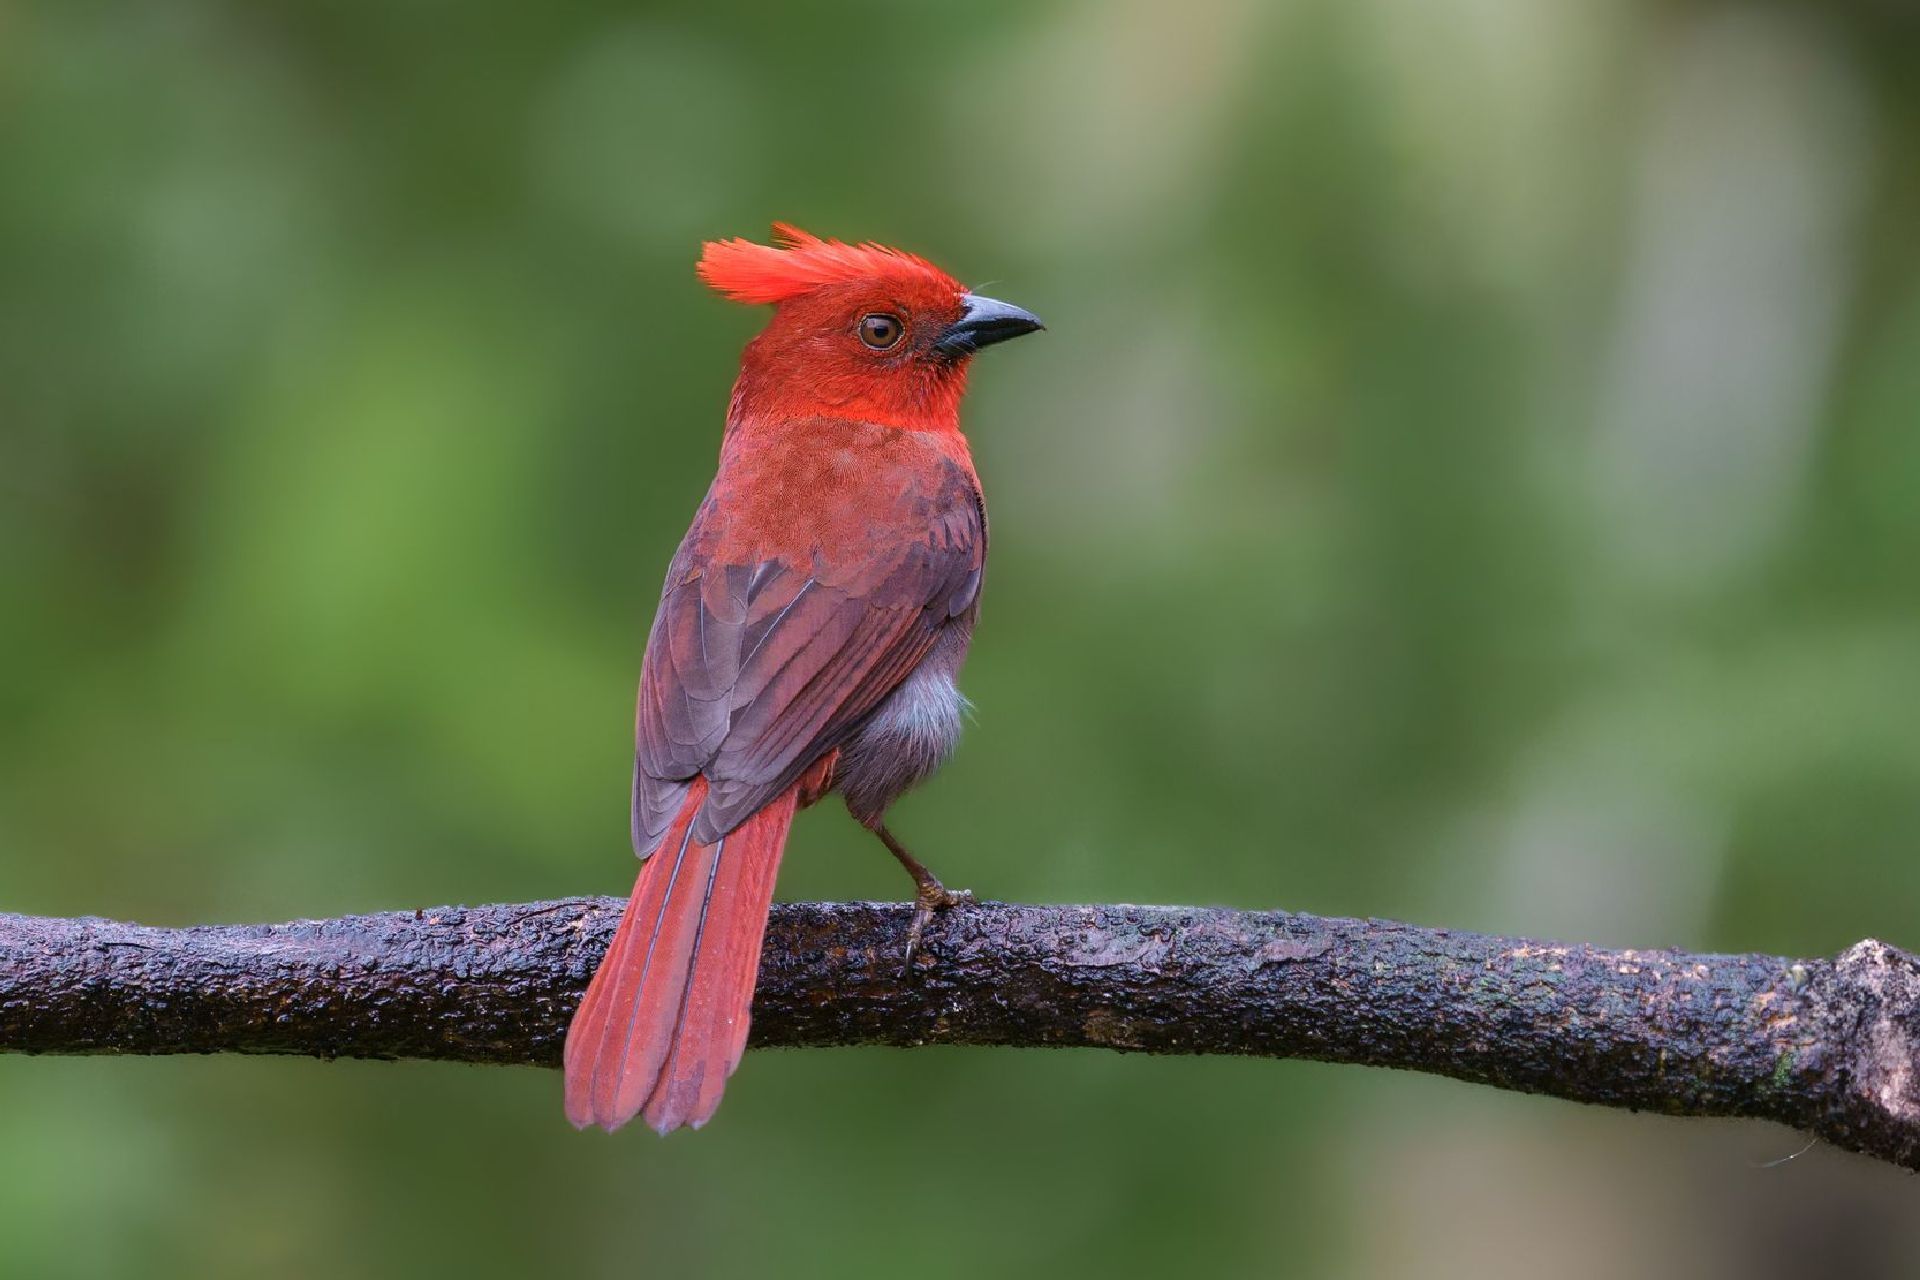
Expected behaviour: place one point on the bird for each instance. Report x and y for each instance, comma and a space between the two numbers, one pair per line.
807, 641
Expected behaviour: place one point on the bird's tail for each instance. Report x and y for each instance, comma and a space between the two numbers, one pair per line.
664, 1020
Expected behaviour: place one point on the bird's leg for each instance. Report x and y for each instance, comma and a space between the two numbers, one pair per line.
929, 894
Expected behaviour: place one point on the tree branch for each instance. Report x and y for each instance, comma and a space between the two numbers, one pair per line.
1829, 1046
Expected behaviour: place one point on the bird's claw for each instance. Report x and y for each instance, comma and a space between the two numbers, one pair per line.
932, 897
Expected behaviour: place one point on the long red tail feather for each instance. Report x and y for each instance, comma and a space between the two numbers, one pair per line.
664, 1021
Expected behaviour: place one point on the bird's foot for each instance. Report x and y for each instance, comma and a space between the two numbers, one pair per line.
931, 897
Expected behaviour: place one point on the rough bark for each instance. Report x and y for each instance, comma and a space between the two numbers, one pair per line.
1829, 1046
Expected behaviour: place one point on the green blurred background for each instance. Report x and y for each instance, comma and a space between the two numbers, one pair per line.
1472, 476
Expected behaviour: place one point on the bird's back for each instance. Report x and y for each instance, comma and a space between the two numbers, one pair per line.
829, 559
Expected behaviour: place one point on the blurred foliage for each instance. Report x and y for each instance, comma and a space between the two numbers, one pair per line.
1470, 476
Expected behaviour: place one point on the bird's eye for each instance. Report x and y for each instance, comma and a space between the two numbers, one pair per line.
881, 330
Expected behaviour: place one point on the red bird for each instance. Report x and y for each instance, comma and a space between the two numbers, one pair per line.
807, 641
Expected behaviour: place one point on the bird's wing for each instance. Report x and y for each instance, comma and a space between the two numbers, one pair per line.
753, 671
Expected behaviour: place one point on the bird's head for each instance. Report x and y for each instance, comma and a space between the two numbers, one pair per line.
858, 331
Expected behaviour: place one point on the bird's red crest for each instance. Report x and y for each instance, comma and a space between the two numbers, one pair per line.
798, 263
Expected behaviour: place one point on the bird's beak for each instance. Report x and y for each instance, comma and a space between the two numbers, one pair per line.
983, 323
